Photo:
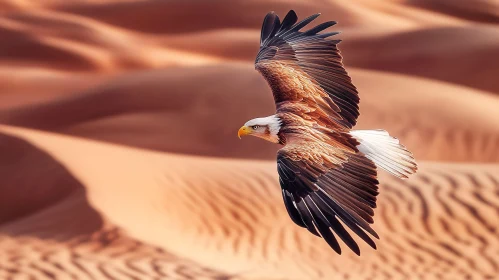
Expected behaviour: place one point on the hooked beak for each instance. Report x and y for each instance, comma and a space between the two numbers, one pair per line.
244, 130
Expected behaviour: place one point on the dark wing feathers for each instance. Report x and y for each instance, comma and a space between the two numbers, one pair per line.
270, 26
322, 224
357, 230
289, 20
306, 216
319, 28
319, 197
330, 221
293, 31
289, 203
311, 54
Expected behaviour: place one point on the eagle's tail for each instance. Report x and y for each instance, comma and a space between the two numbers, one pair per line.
386, 152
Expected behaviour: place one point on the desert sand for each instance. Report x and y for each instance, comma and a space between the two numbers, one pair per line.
120, 160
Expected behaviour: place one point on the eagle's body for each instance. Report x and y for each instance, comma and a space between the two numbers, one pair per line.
326, 170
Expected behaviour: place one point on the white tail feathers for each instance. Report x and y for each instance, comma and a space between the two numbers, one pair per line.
386, 152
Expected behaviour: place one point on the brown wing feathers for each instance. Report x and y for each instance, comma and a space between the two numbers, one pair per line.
286, 51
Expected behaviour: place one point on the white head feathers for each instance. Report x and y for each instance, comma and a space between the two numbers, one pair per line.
272, 122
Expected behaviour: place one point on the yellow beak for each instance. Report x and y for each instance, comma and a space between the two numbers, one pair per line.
244, 130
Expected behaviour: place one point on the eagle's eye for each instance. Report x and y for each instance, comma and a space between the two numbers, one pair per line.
255, 127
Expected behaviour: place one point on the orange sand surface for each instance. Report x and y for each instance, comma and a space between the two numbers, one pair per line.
119, 157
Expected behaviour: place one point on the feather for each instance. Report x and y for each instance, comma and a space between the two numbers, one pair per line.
317, 205
269, 27
319, 28
288, 21
292, 211
306, 217
301, 24
322, 225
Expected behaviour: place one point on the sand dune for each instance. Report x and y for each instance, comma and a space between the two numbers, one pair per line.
460, 55
119, 156
19, 196
93, 36
164, 110
160, 16
477, 10
32, 86
444, 218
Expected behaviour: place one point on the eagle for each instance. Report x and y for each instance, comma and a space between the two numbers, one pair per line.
327, 171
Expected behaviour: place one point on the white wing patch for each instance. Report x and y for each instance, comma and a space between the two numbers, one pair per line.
386, 152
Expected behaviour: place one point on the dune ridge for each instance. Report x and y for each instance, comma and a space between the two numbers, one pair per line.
168, 108
477, 10
89, 36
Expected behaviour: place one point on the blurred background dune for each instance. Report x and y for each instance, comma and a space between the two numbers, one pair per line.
119, 157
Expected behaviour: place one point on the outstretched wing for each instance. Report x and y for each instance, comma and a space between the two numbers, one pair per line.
326, 183
306, 67
324, 187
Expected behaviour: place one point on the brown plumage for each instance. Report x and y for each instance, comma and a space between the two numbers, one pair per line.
326, 180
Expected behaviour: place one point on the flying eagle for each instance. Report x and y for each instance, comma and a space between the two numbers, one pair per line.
327, 171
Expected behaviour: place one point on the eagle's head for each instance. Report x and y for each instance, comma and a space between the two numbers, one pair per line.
266, 128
